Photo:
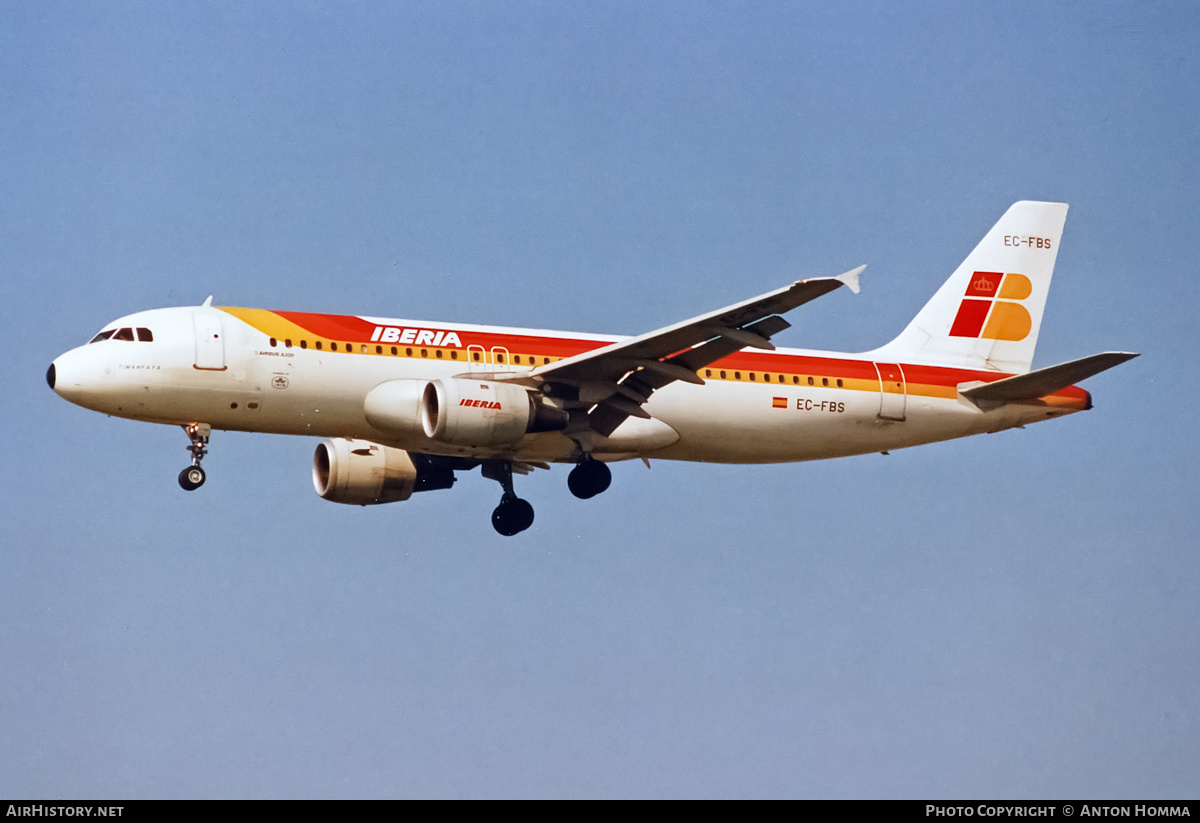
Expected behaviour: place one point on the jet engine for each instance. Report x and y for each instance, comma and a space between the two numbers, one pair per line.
363, 473
475, 413
460, 411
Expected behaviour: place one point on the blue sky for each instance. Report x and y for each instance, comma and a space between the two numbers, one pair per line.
1014, 615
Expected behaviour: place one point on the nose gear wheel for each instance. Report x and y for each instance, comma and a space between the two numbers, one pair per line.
193, 476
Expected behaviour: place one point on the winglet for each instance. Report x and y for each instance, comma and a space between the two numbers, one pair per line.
207, 303
850, 278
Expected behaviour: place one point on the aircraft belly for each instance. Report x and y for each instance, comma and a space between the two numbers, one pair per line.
740, 423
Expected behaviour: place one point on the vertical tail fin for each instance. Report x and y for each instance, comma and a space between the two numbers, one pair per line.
988, 313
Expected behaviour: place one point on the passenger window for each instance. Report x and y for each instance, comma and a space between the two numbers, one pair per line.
796, 379
408, 352
810, 381
454, 354
333, 346
839, 382
379, 349
394, 350
304, 344
287, 342
737, 375
144, 335
104, 335
475, 355
751, 375
319, 345
708, 372
274, 342
438, 352
722, 375
123, 334
824, 381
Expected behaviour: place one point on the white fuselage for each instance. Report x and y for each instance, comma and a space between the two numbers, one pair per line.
206, 365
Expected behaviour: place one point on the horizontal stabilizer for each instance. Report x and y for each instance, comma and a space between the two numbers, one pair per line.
1046, 381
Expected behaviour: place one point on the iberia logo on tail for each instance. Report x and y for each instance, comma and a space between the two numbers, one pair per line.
991, 307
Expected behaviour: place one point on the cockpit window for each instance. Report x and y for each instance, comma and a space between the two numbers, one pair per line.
143, 334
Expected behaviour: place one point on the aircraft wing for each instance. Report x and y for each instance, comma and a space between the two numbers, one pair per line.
610, 384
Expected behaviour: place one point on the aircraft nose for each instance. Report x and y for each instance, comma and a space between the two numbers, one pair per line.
69, 376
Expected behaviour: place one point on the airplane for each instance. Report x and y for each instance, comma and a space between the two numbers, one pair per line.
403, 405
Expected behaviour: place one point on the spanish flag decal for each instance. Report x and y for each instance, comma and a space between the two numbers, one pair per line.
779, 402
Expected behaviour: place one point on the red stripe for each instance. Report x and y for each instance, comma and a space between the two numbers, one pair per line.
357, 330
332, 326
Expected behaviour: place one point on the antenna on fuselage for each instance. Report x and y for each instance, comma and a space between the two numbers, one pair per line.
207, 303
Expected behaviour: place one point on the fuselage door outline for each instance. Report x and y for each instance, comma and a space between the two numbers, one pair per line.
210, 340
892, 391
476, 358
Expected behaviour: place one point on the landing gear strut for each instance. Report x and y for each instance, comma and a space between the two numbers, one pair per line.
192, 477
513, 515
589, 478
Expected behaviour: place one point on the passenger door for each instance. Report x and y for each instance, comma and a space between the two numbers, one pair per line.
210, 340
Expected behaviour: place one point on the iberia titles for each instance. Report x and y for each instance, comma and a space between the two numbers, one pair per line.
415, 337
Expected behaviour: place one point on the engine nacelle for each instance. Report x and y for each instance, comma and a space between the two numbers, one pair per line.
466, 412
460, 411
363, 473
395, 407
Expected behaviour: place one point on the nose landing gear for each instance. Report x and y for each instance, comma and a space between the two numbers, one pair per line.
513, 515
193, 477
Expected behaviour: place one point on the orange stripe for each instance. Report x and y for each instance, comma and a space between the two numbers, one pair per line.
856, 375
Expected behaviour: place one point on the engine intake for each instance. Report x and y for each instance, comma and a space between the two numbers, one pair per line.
362, 473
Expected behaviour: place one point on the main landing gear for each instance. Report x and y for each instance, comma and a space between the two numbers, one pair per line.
192, 477
589, 478
513, 515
